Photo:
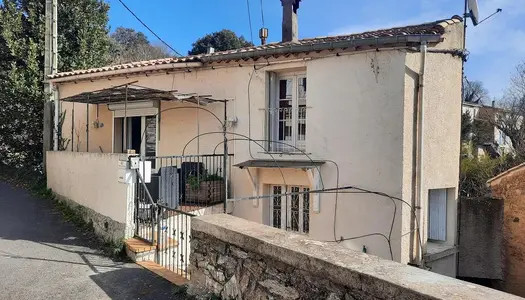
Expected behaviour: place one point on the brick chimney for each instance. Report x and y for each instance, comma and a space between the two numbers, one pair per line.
290, 27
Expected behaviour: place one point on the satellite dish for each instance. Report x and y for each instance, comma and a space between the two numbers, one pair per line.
473, 11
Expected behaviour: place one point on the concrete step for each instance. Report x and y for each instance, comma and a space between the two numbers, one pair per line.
164, 273
140, 250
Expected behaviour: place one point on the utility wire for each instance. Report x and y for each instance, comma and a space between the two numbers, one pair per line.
262, 13
249, 19
150, 30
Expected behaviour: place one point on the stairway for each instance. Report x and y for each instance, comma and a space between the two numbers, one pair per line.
144, 253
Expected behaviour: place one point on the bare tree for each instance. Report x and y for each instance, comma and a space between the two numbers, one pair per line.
510, 118
474, 92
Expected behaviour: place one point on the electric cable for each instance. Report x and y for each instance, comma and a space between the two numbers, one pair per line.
148, 28
281, 143
249, 19
262, 13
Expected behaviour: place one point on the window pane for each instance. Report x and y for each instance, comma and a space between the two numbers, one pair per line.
302, 87
294, 209
276, 207
285, 89
285, 121
306, 211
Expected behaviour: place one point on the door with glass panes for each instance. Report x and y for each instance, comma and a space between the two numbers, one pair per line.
290, 208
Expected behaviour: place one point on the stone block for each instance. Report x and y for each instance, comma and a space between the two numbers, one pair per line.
277, 289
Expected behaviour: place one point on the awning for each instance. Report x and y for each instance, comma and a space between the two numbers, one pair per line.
132, 93
267, 163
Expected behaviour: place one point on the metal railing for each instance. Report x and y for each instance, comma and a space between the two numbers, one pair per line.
173, 240
145, 215
179, 185
287, 125
190, 182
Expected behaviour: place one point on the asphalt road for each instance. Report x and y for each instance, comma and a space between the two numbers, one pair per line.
43, 257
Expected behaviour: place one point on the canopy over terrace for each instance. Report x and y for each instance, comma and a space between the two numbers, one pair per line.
131, 101
131, 93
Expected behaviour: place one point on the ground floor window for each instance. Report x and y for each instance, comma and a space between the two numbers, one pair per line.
437, 215
290, 212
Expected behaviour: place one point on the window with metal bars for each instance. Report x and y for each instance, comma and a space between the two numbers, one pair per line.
290, 212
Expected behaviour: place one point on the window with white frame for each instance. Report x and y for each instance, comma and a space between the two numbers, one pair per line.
287, 112
437, 215
290, 212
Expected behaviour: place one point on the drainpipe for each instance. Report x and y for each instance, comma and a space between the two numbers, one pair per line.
421, 126
56, 138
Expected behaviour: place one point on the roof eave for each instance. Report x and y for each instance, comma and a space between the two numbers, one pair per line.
299, 48
178, 65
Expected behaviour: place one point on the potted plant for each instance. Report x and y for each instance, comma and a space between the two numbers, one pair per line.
204, 189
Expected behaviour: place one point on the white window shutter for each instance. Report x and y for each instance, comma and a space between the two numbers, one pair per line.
437, 211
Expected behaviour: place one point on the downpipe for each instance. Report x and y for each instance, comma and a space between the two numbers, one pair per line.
421, 148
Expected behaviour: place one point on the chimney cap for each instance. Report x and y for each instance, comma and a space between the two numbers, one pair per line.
295, 4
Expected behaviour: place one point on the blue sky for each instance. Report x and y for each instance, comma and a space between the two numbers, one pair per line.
496, 46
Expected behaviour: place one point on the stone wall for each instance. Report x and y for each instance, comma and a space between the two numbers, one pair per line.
510, 186
239, 259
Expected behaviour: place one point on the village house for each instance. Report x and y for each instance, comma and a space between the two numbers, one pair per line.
369, 121
492, 141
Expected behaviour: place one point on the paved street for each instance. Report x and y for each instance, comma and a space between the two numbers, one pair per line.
41, 257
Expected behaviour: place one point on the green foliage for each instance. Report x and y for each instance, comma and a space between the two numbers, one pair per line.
475, 171
83, 40
482, 132
466, 126
194, 181
83, 43
128, 45
220, 40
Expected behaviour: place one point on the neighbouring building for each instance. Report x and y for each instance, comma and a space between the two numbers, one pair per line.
508, 186
377, 111
491, 141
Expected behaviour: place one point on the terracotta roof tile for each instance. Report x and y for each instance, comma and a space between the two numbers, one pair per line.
431, 28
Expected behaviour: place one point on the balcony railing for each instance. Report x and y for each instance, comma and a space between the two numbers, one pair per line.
287, 129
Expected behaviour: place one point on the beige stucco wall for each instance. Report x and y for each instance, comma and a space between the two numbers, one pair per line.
360, 115
441, 141
356, 120
89, 179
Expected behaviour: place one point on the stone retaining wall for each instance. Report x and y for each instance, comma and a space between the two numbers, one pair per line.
239, 259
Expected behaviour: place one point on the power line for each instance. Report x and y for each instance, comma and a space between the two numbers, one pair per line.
262, 13
249, 19
150, 30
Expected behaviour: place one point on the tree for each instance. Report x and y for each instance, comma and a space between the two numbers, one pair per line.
466, 126
474, 92
221, 40
510, 118
83, 42
129, 45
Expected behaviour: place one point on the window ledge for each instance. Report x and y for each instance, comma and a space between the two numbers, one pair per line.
436, 251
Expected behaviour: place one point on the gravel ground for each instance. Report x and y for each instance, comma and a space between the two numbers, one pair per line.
44, 257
